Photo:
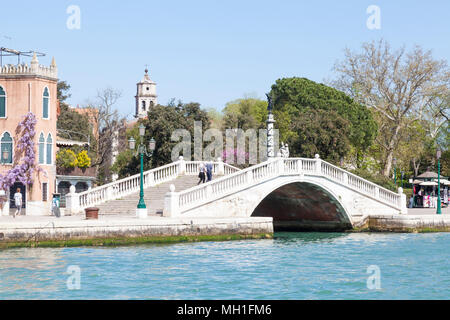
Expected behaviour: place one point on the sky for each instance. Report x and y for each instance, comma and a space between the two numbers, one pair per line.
210, 52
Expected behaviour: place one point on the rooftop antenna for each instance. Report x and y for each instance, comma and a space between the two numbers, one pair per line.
5, 52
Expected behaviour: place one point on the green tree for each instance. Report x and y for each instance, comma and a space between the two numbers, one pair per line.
162, 121
401, 87
321, 132
245, 113
71, 124
295, 97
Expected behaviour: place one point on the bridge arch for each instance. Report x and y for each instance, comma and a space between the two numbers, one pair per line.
299, 204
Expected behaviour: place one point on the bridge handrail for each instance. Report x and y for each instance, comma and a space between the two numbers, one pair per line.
190, 198
192, 167
126, 186
123, 187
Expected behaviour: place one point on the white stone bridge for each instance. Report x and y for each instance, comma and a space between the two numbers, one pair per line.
300, 194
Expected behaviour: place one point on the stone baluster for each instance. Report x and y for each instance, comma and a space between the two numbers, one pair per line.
72, 201
109, 193
171, 203
250, 177
402, 200
220, 167
345, 178
318, 164
182, 166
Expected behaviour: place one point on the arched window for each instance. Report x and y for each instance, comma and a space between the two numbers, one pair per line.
49, 148
152, 103
45, 102
41, 149
2, 103
7, 148
143, 105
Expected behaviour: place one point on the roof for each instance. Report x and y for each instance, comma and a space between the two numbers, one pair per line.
69, 143
428, 174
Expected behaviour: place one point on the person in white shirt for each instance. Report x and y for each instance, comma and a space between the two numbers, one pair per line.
18, 202
201, 173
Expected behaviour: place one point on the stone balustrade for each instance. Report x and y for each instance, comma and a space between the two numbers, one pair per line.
241, 180
76, 202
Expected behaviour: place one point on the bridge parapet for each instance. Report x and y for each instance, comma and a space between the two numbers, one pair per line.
76, 202
238, 181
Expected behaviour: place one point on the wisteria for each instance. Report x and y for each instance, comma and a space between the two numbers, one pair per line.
23, 171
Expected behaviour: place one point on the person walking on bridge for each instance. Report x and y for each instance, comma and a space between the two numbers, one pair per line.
201, 174
209, 170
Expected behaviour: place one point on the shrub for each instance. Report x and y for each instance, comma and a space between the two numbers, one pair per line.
66, 159
83, 160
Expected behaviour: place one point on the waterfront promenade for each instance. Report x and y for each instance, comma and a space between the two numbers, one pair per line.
129, 229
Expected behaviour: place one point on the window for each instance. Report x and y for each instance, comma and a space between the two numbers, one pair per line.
7, 148
151, 104
41, 149
44, 191
2, 103
143, 105
45, 100
49, 148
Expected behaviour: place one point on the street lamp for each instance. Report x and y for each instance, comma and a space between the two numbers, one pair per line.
141, 211
395, 171
402, 173
438, 156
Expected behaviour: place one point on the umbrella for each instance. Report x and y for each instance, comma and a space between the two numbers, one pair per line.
445, 182
428, 183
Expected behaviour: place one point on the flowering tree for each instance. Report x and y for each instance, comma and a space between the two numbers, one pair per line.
23, 171
236, 156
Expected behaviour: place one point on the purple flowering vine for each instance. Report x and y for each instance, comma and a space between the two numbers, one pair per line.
23, 171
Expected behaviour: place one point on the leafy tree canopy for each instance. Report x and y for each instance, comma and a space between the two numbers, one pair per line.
295, 97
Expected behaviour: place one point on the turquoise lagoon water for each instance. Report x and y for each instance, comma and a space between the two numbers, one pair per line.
291, 266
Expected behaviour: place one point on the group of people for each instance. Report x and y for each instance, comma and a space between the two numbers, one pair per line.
205, 172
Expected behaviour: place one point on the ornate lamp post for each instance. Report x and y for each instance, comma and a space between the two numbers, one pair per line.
270, 134
438, 156
141, 211
402, 173
395, 171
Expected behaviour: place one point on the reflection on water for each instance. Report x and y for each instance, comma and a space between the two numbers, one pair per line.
290, 266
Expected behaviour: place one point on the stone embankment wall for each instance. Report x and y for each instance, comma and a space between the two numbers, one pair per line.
60, 231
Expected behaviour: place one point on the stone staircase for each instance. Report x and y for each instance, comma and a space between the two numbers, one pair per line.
154, 198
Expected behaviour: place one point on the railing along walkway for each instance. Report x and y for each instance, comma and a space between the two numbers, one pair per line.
183, 201
76, 202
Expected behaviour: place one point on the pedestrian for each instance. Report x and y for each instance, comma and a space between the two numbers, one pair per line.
209, 169
411, 202
18, 202
201, 173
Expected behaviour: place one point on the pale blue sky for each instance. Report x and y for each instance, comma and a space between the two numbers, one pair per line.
210, 52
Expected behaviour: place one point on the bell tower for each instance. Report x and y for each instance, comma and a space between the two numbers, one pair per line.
145, 96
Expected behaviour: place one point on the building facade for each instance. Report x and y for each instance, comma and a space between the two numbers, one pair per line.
145, 96
23, 89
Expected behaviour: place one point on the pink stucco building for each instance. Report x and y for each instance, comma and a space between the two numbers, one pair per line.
29, 88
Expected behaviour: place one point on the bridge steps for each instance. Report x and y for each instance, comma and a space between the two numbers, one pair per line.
154, 198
